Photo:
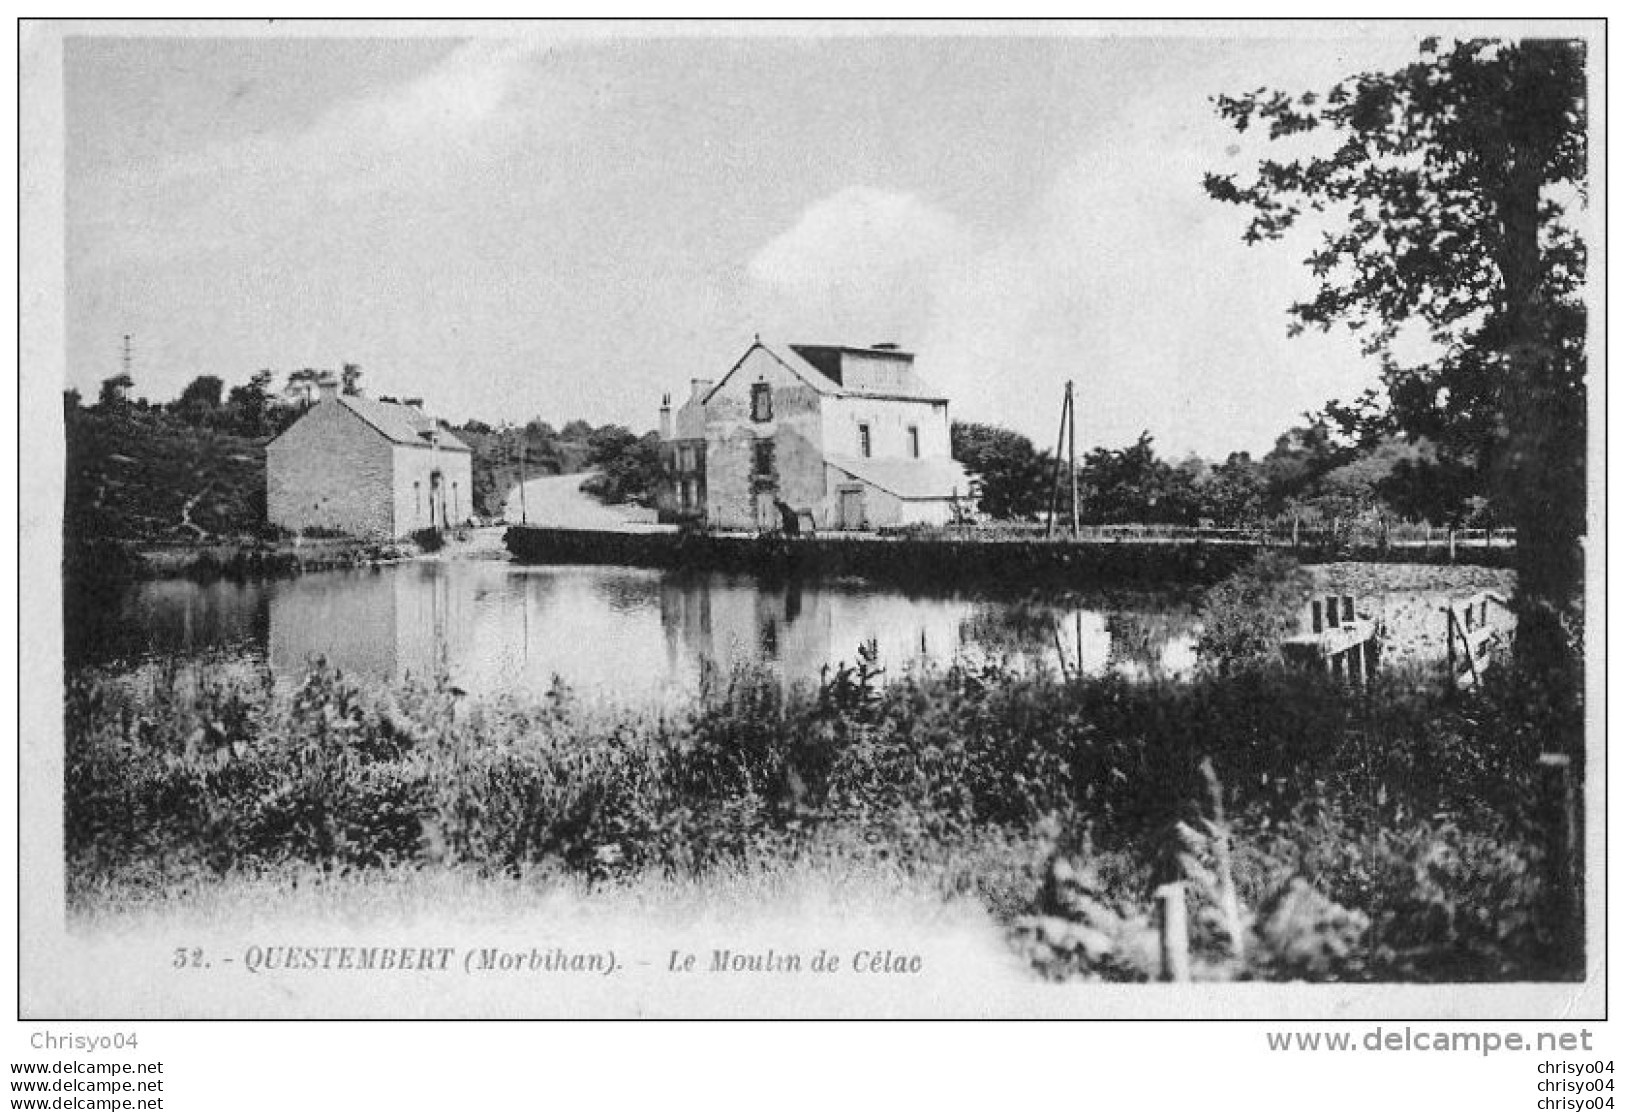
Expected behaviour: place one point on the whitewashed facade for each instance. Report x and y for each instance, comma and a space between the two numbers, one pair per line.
367, 468
838, 438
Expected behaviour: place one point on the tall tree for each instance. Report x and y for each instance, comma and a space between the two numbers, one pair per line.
116, 390
250, 407
1014, 476
302, 385
200, 400
1450, 187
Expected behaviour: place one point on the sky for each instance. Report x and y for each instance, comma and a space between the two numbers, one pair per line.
519, 227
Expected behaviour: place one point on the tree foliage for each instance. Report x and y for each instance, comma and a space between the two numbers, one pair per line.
1015, 477
1446, 194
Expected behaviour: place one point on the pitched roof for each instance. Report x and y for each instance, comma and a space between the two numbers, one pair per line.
908, 478
913, 387
404, 424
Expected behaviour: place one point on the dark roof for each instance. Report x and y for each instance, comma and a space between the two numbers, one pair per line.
404, 424
795, 361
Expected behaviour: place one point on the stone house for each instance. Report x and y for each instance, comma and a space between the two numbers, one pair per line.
831, 437
367, 468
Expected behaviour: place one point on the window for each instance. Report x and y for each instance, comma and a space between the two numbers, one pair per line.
865, 445
763, 458
761, 402
685, 459
914, 441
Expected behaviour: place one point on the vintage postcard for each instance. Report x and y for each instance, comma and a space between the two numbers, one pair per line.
866, 520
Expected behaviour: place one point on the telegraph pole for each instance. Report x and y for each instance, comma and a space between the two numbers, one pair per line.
1055, 472
524, 513
1066, 439
1072, 452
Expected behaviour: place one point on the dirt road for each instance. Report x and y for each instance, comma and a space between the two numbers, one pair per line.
558, 502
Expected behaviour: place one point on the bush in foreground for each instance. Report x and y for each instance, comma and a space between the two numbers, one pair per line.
1380, 836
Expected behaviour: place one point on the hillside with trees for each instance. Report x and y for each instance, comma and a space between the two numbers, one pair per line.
192, 470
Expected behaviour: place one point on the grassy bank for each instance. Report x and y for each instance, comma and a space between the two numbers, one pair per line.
1369, 837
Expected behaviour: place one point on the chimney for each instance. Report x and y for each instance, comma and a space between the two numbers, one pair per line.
665, 417
701, 387
884, 347
327, 389
415, 403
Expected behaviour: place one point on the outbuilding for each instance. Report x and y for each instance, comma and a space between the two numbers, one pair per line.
367, 468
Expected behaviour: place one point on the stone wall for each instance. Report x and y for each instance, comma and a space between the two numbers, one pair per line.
737, 495
330, 470
414, 469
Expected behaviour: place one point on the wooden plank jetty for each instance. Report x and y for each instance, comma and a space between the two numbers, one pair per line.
1338, 639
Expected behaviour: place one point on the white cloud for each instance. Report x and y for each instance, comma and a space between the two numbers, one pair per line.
861, 261
1124, 276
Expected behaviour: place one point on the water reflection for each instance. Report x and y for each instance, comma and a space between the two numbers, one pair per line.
621, 635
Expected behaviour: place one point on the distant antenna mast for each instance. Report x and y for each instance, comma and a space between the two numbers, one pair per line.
128, 356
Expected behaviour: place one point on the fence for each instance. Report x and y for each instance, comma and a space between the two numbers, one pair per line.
1285, 534
1476, 628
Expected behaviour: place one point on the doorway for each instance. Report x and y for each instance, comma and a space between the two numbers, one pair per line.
851, 507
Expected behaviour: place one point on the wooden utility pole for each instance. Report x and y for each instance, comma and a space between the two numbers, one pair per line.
1072, 452
524, 514
1055, 472
1055, 479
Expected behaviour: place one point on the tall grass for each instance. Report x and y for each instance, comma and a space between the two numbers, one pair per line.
1375, 835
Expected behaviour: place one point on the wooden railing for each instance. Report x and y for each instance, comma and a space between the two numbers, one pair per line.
1476, 628
1336, 638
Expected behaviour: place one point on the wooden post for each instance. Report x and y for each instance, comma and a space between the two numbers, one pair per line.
1072, 452
524, 511
1055, 482
1562, 824
1174, 932
1294, 530
1450, 538
1450, 650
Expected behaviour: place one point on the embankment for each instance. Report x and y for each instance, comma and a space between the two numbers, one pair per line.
941, 560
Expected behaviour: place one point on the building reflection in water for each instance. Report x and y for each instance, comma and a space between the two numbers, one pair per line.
626, 636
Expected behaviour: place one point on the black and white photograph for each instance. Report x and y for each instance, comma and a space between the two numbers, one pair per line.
819, 520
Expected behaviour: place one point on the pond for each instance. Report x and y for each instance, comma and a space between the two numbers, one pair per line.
614, 635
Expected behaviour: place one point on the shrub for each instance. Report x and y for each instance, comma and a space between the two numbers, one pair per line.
1385, 834
1247, 616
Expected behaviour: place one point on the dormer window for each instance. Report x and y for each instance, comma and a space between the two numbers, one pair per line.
761, 402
